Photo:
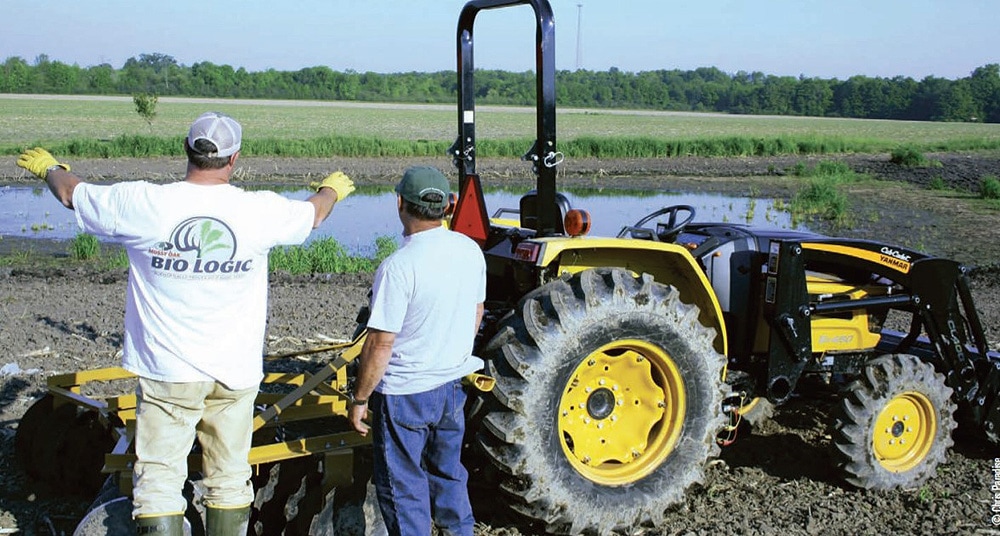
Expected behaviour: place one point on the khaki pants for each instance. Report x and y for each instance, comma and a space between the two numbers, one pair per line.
168, 417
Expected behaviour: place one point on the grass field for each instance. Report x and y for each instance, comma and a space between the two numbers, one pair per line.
47, 120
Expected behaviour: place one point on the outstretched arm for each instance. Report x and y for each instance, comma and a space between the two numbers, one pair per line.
335, 187
44, 166
62, 183
323, 202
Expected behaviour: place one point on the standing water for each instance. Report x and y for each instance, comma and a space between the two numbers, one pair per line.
32, 212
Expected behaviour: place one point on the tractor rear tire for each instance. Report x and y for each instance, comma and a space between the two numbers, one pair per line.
895, 424
607, 402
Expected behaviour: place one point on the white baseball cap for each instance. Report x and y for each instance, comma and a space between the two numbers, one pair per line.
218, 128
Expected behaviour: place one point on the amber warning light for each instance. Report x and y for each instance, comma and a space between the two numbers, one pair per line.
577, 222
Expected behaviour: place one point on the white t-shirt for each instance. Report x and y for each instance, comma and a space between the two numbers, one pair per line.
196, 301
427, 293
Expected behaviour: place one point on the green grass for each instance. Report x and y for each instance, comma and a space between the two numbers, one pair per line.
116, 260
989, 188
84, 247
908, 155
822, 195
322, 256
110, 127
327, 256
18, 257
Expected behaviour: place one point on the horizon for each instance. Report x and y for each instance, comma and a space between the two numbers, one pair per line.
34, 62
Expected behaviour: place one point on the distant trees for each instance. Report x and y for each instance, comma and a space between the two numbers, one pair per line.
984, 85
17, 76
973, 98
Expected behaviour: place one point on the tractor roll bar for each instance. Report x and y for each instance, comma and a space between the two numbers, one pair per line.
543, 153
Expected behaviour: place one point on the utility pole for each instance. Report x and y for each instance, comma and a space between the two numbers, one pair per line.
579, 36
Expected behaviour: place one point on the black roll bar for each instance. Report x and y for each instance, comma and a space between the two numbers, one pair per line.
543, 154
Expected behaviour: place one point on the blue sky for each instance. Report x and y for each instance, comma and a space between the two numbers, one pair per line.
826, 39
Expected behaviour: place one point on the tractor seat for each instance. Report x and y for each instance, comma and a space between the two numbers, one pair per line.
529, 211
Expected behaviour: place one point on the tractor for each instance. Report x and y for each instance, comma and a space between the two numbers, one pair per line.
621, 363
616, 367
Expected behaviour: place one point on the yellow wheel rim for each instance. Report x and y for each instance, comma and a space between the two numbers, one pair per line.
621, 412
904, 432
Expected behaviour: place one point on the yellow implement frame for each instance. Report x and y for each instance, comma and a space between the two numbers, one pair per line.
313, 395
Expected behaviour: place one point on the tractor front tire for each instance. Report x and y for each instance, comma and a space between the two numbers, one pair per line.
894, 425
607, 402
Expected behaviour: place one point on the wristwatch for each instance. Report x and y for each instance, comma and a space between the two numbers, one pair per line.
51, 168
353, 401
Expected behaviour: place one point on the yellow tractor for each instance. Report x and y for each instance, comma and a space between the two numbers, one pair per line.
621, 363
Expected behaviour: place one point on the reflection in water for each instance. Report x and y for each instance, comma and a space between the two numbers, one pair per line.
32, 212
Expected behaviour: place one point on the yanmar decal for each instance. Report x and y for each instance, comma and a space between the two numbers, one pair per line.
894, 259
199, 247
887, 256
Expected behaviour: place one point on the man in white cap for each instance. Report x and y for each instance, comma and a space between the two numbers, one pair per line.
426, 307
195, 312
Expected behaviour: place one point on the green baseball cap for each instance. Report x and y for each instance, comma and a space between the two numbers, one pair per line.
424, 186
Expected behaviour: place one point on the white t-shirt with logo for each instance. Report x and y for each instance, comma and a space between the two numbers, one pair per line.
427, 293
196, 301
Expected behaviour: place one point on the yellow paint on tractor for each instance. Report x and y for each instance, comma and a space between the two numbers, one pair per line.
849, 331
904, 432
666, 262
622, 412
836, 332
885, 259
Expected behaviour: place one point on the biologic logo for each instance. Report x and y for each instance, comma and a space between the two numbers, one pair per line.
199, 245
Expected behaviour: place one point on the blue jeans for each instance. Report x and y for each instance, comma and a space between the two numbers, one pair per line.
417, 442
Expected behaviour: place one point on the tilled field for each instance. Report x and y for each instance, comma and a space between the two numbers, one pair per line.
775, 479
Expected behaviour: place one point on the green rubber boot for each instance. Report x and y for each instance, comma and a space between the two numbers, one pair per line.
227, 521
168, 525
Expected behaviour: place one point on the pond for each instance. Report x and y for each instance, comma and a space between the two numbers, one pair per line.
32, 212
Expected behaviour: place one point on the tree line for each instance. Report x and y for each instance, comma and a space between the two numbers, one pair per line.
973, 98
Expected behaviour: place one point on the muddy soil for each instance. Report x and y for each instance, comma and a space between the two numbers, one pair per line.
58, 316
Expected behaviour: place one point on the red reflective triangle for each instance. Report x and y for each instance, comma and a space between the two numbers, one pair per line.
470, 214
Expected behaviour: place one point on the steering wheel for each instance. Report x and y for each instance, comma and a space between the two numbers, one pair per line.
665, 231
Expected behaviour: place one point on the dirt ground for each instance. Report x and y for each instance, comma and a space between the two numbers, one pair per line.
58, 316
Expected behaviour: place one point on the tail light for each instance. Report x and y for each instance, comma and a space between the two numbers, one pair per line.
527, 251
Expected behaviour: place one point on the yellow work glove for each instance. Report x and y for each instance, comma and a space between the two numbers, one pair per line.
338, 181
38, 161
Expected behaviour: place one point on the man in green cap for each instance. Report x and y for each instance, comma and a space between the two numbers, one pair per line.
426, 307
